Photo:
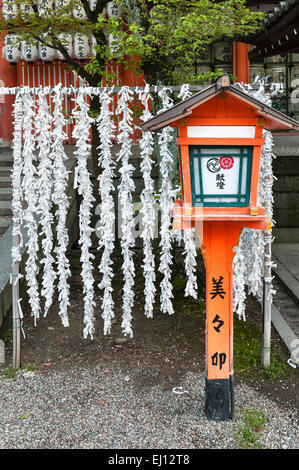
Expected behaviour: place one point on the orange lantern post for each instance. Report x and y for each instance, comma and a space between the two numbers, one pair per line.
220, 139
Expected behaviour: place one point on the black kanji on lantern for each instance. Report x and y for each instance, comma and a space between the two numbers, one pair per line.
217, 288
220, 323
220, 181
218, 359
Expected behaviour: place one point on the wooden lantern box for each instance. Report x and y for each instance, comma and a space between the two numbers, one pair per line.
220, 136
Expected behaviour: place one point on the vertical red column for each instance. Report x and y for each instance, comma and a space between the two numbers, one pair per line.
241, 65
133, 76
8, 78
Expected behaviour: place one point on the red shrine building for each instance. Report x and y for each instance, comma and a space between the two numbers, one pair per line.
35, 66
274, 53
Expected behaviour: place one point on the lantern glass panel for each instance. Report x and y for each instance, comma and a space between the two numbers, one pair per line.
220, 176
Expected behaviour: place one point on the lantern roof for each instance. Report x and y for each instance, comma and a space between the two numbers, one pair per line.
274, 120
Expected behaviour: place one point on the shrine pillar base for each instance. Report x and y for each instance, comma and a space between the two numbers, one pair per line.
219, 399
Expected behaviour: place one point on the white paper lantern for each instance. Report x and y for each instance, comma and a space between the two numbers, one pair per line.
29, 52
46, 54
45, 7
12, 52
9, 10
112, 43
113, 10
60, 4
67, 41
93, 4
25, 10
79, 13
81, 47
93, 43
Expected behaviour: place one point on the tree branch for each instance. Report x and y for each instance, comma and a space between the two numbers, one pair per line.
92, 15
34, 7
88, 11
59, 47
99, 8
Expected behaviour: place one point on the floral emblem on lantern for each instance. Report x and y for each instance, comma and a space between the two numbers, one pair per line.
226, 163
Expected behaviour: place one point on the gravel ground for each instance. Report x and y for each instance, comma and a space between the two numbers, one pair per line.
107, 394
103, 408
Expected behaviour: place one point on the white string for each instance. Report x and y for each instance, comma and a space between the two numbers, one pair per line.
190, 262
126, 188
189, 235
253, 242
30, 199
148, 209
62, 201
106, 130
185, 92
166, 204
17, 193
81, 133
239, 277
45, 188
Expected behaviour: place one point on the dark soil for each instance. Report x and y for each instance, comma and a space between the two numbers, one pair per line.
166, 346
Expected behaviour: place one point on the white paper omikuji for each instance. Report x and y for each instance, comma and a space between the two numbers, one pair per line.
43, 124
30, 198
148, 209
190, 262
106, 129
126, 188
62, 202
35, 185
239, 294
268, 178
266, 196
17, 193
189, 235
166, 204
253, 242
81, 133
185, 92
255, 249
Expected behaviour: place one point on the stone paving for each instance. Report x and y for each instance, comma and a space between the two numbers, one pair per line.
286, 300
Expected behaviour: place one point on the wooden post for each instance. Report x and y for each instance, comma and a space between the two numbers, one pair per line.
267, 302
219, 239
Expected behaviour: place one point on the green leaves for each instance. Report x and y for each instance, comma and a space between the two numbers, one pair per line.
168, 36
173, 33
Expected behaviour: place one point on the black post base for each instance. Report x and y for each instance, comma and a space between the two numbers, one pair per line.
219, 399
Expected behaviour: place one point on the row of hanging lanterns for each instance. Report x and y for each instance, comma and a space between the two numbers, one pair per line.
78, 46
10, 9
